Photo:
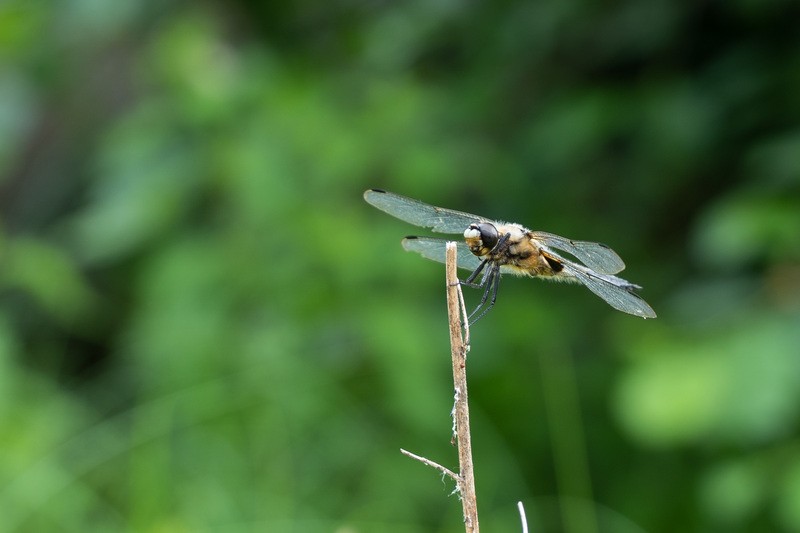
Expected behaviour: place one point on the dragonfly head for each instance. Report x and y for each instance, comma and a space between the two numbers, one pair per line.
481, 238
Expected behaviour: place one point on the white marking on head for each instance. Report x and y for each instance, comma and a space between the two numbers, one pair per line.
472, 233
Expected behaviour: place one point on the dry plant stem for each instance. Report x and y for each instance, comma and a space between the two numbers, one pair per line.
458, 349
459, 346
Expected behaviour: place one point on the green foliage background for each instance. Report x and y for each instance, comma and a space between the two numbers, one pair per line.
204, 328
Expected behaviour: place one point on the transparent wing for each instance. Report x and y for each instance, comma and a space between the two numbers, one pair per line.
596, 256
439, 219
434, 249
617, 292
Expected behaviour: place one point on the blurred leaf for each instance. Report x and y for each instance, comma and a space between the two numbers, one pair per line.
146, 180
789, 494
50, 276
733, 492
744, 229
734, 386
20, 25
18, 110
776, 162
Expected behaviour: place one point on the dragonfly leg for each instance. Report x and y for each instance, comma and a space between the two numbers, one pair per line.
492, 282
470, 281
502, 244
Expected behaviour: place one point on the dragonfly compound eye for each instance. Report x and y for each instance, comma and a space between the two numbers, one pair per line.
489, 235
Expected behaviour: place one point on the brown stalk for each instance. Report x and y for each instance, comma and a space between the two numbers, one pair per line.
459, 346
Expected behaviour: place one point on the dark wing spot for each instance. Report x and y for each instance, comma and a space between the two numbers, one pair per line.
555, 265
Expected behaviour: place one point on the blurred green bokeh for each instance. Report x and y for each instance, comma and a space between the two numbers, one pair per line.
203, 327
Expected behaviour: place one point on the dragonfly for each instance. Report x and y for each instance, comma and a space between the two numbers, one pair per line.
491, 248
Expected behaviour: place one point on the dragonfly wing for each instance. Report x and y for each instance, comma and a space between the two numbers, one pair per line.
617, 292
596, 256
439, 219
434, 249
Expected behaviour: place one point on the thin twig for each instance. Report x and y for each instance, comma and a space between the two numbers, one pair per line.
522, 517
444, 470
461, 408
